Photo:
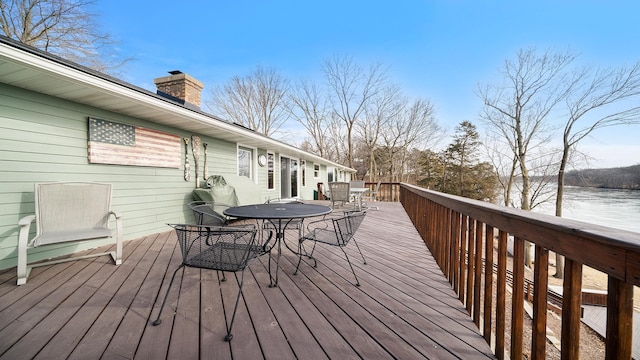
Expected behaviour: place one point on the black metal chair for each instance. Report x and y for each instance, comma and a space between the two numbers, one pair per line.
206, 214
335, 232
296, 224
225, 248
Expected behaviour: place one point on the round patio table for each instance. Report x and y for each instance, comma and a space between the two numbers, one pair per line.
279, 215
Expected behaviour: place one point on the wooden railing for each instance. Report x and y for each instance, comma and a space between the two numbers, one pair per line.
460, 234
388, 191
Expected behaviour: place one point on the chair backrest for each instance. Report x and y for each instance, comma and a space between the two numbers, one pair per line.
347, 225
373, 194
339, 191
356, 183
206, 213
375, 190
284, 201
72, 206
225, 248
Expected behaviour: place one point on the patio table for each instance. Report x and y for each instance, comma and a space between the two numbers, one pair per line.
279, 215
357, 194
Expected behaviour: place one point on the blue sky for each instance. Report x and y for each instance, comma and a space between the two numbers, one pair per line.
440, 50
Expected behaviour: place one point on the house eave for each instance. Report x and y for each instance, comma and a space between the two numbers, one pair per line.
32, 69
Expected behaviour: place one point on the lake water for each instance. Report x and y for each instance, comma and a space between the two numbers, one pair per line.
613, 208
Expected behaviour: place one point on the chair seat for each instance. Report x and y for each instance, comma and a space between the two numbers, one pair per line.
71, 235
325, 236
293, 224
225, 256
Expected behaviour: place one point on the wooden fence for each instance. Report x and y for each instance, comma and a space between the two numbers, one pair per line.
461, 234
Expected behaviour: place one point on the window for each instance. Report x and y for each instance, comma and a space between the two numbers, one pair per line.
245, 162
294, 177
271, 164
303, 170
316, 171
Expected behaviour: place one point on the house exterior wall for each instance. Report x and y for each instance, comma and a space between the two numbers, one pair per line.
44, 139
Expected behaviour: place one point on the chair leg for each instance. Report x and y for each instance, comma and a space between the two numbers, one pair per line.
235, 308
300, 249
350, 266
309, 255
158, 321
363, 259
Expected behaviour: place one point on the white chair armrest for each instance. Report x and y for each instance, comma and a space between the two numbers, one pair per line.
23, 243
118, 255
27, 220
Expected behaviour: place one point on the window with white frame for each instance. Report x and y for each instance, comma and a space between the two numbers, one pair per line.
303, 170
316, 171
271, 171
245, 162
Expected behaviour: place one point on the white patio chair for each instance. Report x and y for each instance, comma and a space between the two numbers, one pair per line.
66, 212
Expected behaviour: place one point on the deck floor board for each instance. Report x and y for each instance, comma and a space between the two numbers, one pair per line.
404, 308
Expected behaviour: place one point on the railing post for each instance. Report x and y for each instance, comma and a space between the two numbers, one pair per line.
477, 283
517, 303
571, 301
501, 294
619, 342
455, 250
488, 283
541, 281
463, 254
470, 264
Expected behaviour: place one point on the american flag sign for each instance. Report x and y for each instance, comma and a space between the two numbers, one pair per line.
121, 144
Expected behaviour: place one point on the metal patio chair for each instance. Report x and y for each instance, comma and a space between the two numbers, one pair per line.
335, 232
371, 195
225, 248
340, 193
296, 224
205, 213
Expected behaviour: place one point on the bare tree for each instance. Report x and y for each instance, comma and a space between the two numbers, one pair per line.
257, 101
352, 88
65, 28
414, 126
338, 143
519, 108
307, 105
384, 107
597, 92
505, 162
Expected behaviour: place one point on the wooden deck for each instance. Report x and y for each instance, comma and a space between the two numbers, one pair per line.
90, 309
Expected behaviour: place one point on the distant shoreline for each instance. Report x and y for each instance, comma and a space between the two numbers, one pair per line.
624, 178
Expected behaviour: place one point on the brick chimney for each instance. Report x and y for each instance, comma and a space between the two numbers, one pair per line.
180, 87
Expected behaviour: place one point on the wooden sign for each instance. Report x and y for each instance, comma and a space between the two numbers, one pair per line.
121, 144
